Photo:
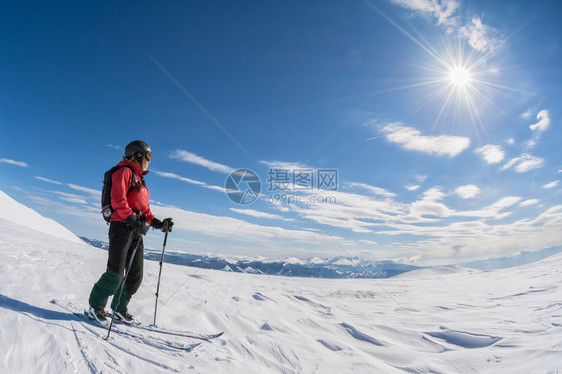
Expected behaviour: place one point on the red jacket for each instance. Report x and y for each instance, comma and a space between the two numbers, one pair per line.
137, 199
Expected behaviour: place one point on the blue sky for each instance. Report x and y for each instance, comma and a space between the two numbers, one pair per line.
441, 121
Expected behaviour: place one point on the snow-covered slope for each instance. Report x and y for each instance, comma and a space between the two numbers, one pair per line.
13, 211
507, 321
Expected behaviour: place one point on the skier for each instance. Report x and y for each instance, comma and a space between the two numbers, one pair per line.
129, 221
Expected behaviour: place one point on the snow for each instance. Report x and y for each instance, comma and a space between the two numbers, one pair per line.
441, 320
294, 260
18, 213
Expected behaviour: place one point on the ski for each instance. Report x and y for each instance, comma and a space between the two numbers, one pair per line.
186, 334
146, 339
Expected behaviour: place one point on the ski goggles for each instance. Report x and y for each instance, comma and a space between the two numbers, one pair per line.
148, 156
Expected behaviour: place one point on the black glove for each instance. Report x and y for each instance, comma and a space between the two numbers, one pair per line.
156, 223
140, 227
167, 225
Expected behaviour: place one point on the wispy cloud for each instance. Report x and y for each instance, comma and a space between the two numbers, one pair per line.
469, 191
544, 121
13, 162
284, 165
87, 190
81, 211
258, 214
177, 177
551, 185
188, 180
90, 191
48, 180
375, 190
481, 37
215, 188
524, 163
492, 154
504, 203
198, 160
116, 147
72, 198
411, 139
442, 11
529, 202
219, 227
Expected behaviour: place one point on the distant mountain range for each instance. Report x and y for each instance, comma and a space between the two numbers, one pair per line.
336, 267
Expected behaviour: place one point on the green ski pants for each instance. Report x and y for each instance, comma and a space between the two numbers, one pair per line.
122, 243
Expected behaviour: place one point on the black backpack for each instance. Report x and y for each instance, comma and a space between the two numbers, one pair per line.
106, 208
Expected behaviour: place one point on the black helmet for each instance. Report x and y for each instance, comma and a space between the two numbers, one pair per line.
138, 149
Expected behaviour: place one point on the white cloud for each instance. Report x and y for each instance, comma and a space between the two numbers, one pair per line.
430, 205
442, 10
544, 121
284, 165
469, 191
480, 37
189, 180
48, 180
492, 154
504, 203
198, 160
221, 227
90, 191
71, 198
551, 185
376, 190
215, 188
510, 141
258, 214
532, 143
526, 115
491, 211
13, 162
528, 202
412, 139
178, 177
524, 163
412, 187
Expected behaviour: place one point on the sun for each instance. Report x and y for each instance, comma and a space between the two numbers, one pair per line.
459, 77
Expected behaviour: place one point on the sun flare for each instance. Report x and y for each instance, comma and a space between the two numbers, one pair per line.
460, 77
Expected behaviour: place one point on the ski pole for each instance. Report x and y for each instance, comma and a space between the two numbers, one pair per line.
122, 285
159, 274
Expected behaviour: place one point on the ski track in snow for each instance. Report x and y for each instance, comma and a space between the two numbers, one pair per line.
427, 321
